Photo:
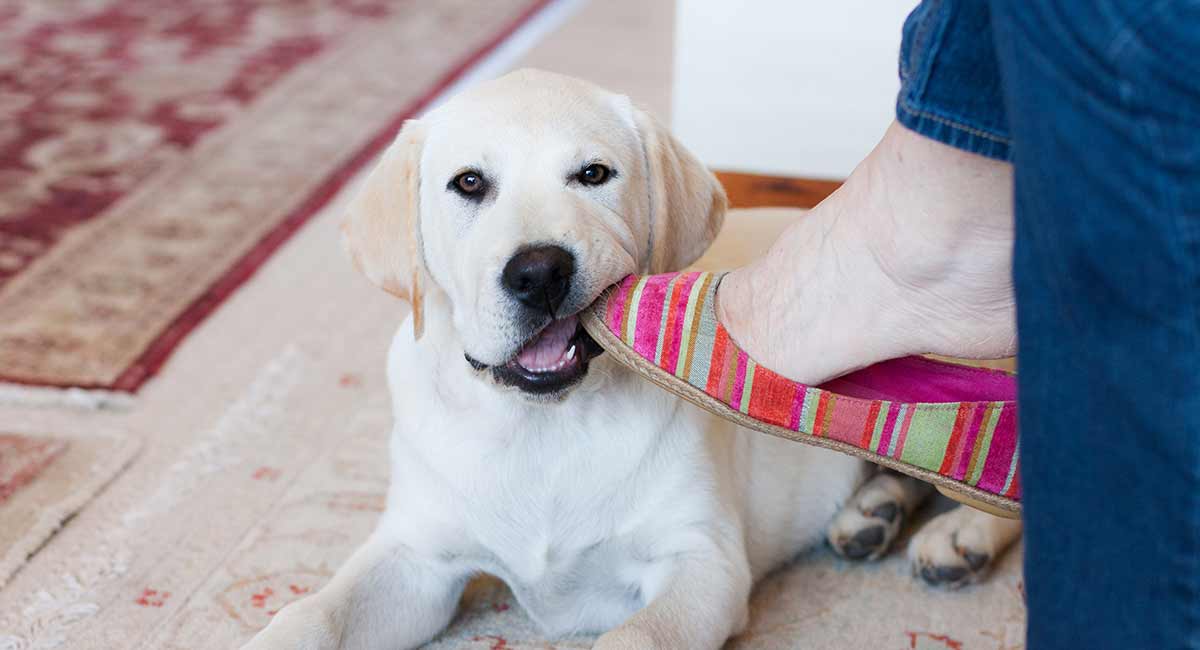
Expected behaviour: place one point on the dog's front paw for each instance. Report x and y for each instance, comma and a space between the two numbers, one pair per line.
295, 628
866, 527
958, 547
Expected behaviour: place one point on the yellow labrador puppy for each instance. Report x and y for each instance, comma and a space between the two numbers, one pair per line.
520, 450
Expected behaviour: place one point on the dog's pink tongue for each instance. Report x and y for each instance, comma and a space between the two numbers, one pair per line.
550, 347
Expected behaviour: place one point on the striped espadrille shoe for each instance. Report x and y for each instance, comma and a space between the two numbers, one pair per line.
953, 426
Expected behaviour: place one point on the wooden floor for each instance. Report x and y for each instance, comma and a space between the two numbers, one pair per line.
757, 191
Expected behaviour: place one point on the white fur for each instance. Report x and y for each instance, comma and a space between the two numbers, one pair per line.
617, 508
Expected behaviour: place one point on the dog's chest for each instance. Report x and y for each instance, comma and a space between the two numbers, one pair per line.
569, 589
566, 504
564, 541
570, 528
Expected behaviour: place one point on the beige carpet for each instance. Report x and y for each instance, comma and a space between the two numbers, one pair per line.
69, 472
262, 467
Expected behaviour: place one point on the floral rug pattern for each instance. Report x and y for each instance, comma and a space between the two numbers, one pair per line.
153, 154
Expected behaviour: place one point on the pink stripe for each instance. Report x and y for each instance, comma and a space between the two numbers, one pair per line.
904, 430
1004, 444
847, 421
797, 407
968, 444
649, 316
885, 437
616, 304
671, 346
739, 380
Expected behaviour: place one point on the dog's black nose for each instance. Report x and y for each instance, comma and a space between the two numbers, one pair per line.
540, 277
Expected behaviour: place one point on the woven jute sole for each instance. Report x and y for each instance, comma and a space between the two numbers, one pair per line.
593, 322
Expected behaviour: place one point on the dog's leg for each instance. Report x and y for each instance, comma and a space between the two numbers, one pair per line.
957, 547
700, 604
384, 596
867, 525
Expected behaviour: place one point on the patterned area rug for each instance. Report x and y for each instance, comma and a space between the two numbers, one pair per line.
45, 480
153, 154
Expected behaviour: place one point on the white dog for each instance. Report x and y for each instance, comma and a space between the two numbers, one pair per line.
519, 450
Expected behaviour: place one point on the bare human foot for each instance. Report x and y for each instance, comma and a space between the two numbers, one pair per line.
912, 254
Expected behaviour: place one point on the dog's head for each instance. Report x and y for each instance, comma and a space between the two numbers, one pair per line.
522, 200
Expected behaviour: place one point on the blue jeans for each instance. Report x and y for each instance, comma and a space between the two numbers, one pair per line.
1097, 105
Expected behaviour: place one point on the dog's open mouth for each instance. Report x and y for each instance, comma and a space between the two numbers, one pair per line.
555, 358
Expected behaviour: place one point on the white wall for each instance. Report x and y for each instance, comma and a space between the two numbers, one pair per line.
785, 87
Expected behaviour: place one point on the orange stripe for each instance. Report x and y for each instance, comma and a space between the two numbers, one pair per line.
829, 413
771, 397
691, 351
987, 414
729, 374
720, 344
869, 427
824, 411
668, 332
965, 410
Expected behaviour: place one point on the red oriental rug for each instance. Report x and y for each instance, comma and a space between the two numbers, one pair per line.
153, 154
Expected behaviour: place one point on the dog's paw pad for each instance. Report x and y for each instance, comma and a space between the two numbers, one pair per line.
865, 533
948, 576
950, 552
864, 543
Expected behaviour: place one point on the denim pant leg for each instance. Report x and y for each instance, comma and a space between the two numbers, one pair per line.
1103, 104
949, 80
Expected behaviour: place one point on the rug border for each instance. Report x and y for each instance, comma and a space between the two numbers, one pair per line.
159, 351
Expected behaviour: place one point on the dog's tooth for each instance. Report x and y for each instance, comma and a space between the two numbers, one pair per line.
570, 353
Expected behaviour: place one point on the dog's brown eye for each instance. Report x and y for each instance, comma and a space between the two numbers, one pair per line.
594, 174
468, 183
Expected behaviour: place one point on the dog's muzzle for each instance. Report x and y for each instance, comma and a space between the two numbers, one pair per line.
551, 361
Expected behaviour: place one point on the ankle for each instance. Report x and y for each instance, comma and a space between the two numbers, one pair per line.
926, 209
939, 225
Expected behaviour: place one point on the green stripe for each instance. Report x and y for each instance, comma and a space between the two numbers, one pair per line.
897, 427
631, 321
928, 436
880, 420
808, 412
989, 428
1012, 470
685, 340
706, 338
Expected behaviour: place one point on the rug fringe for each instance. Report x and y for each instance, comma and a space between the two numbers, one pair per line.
80, 398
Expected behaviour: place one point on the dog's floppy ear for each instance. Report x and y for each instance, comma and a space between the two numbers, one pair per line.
687, 203
381, 230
